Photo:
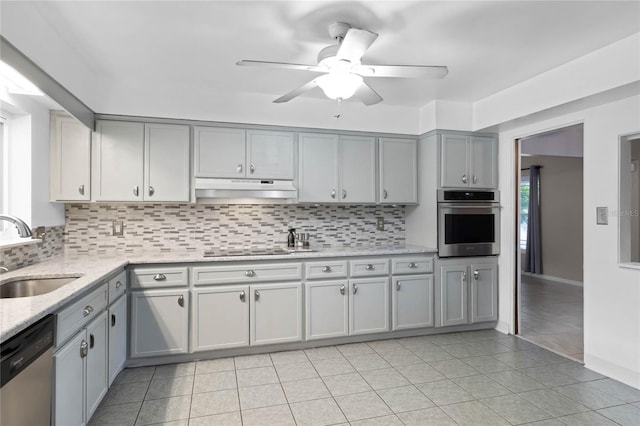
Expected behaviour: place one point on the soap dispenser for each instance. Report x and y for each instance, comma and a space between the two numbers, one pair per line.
291, 238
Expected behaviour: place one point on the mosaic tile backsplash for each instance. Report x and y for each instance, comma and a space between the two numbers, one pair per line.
196, 227
21, 256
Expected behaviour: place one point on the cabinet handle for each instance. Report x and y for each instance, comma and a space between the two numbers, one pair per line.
136, 190
398, 286
87, 310
118, 284
252, 168
413, 265
257, 295
181, 301
342, 290
151, 191
249, 273
384, 194
84, 348
242, 296
344, 194
333, 194
113, 320
464, 178
239, 168
159, 277
369, 267
81, 189
355, 289
476, 274
326, 269
92, 341
475, 179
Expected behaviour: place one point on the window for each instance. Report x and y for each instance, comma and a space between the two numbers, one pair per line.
629, 210
524, 210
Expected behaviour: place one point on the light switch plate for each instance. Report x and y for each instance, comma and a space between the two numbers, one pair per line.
602, 215
117, 229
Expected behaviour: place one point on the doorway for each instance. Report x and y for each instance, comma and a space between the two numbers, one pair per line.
550, 240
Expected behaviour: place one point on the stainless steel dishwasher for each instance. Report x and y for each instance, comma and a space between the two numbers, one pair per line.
26, 362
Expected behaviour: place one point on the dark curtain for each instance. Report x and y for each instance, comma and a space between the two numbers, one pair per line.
533, 254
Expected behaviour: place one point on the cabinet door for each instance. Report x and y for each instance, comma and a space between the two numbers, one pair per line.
97, 367
454, 161
398, 171
159, 322
368, 305
327, 309
453, 294
269, 154
318, 165
484, 292
166, 160
69, 382
219, 152
118, 161
358, 169
484, 162
276, 313
220, 317
70, 160
117, 337
412, 301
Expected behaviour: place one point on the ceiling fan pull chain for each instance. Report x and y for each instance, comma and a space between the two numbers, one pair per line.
339, 114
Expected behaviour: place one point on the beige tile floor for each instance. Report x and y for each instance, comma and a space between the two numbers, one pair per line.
469, 378
552, 316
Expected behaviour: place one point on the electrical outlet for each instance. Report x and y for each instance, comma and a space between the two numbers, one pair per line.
380, 224
117, 229
602, 215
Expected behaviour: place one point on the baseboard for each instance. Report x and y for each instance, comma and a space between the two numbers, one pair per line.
615, 371
553, 279
503, 327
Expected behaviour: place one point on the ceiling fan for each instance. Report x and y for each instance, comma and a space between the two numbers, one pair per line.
342, 70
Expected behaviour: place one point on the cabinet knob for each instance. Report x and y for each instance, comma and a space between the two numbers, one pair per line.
136, 190
464, 178
476, 274
249, 273
81, 189
181, 301
326, 269
87, 310
413, 265
159, 277
475, 179
92, 341
118, 284
355, 289
369, 267
384, 194
239, 168
344, 194
256, 295
464, 276
84, 348
398, 286
113, 320
252, 168
342, 290
242, 296
151, 191
333, 194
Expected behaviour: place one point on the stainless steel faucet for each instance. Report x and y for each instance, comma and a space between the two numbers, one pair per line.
23, 228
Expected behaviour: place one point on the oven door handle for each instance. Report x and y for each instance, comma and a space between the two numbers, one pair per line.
469, 206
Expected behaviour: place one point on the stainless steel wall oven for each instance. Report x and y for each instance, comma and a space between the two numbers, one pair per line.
468, 223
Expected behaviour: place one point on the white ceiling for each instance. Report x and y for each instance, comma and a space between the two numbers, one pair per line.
143, 47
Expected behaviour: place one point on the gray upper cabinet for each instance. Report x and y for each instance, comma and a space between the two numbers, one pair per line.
237, 153
140, 162
70, 159
398, 177
357, 169
468, 161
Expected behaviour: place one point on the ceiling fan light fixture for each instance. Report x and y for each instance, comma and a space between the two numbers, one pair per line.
339, 85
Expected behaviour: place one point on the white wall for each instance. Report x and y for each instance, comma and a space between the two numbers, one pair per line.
611, 293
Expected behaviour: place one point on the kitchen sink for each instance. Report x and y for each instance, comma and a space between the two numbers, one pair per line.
32, 286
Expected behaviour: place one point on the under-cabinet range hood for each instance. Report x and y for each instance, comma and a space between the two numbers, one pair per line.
245, 191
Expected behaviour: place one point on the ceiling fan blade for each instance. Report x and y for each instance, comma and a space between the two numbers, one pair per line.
403, 71
297, 92
303, 67
355, 43
367, 95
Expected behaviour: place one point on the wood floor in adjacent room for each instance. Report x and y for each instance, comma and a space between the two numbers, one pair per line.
551, 315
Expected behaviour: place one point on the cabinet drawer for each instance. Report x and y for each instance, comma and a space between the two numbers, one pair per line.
74, 317
328, 269
117, 286
369, 267
412, 265
246, 273
158, 277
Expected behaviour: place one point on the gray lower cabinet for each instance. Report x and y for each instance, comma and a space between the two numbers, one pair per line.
368, 305
275, 313
468, 291
412, 302
117, 337
326, 309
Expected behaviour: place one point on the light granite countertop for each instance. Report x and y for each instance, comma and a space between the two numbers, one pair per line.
17, 314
